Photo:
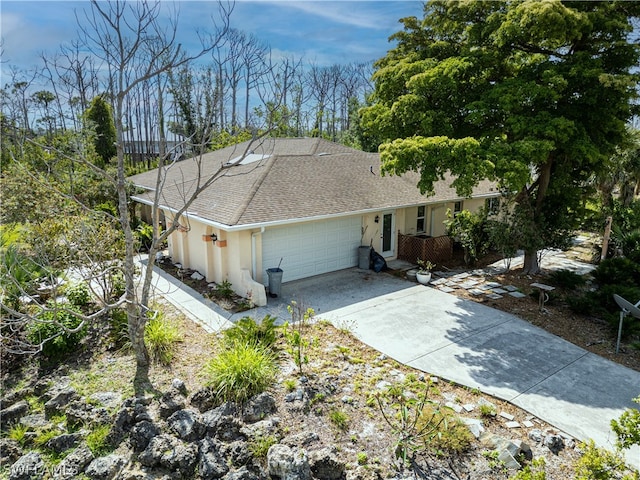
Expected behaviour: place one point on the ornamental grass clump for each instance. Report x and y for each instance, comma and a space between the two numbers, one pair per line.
161, 337
241, 371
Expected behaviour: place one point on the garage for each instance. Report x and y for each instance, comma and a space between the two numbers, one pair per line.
312, 248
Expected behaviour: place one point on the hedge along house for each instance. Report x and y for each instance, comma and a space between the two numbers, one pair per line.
306, 202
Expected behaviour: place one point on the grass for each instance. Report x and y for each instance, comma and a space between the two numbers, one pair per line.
97, 440
259, 446
161, 337
339, 419
19, 434
241, 371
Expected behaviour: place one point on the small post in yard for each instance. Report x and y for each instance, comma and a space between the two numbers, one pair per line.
605, 238
626, 308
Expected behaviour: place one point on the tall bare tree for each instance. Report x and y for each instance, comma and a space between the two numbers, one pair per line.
132, 40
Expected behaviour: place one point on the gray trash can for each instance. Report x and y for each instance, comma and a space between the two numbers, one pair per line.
364, 255
275, 281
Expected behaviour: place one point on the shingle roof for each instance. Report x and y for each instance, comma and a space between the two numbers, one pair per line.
292, 178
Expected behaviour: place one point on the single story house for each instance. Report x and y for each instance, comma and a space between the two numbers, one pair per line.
305, 204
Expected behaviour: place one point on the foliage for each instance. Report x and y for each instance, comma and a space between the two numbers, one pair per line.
617, 270
496, 90
144, 235
224, 290
241, 371
451, 436
18, 433
100, 119
78, 294
627, 427
259, 445
487, 410
425, 265
97, 440
247, 330
295, 334
58, 329
340, 419
599, 464
532, 471
161, 337
19, 274
413, 431
566, 279
468, 228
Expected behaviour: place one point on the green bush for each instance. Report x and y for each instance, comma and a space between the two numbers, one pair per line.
144, 236
599, 464
445, 434
617, 270
533, 471
78, 294
52, 327
247, 330
241, 371
161, 337
566, 279
224, 290
627, 427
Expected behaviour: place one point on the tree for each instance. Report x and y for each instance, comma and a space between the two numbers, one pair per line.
133, 42
100, 119
532, 94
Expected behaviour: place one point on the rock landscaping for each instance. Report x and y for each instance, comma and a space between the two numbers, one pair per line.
325, 424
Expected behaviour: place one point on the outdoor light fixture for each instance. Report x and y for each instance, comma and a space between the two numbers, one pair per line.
214, 237
377, 219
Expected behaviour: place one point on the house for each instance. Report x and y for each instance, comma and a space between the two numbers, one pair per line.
305, 204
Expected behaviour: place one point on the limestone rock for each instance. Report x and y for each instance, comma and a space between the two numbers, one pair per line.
171, 402
105, 468
179, 386
203, 399
12, 414
325, 464
73, 464
107, 399
211, 464
141, 434
59, 401
288, 463
27, 467
34, 421
63, 442
300, 439
553, 442
211, 418
259, 407
241, 474
187, 424
170, 453
10, 451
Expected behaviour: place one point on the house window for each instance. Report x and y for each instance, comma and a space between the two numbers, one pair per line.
420, 223
492, 205
457, 208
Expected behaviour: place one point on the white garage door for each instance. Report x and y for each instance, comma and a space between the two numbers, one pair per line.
311, 248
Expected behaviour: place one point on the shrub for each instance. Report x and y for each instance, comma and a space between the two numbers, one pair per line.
533, 471
78, 294
627, 427
241, 371
224, 290
617, 270
566, 279
60, 328
161, 337
247, 330
445, 434
598, 464
18, 433
144, 236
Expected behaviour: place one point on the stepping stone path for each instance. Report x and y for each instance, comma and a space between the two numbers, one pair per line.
475, 283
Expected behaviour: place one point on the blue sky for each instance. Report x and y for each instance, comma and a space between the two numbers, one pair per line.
323, 32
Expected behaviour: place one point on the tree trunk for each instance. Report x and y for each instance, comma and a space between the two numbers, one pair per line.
531, 266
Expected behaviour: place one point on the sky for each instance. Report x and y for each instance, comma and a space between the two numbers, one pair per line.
322, 32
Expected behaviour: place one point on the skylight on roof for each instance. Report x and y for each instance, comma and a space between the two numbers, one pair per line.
249, 158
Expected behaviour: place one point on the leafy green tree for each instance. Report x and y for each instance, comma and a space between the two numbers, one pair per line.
100, 118
532, 94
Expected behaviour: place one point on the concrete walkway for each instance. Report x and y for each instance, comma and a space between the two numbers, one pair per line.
458, 340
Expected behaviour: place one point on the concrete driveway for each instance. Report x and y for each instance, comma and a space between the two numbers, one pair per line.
473, 345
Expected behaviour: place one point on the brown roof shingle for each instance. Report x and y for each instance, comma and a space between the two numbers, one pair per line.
300, 178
